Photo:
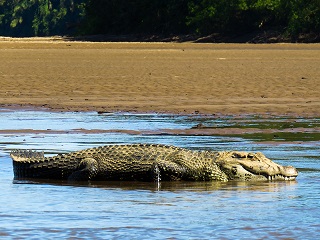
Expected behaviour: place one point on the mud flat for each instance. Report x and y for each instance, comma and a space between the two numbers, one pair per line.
182, 78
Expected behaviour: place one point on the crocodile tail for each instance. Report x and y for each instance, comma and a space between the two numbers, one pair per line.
26, 163
25, 155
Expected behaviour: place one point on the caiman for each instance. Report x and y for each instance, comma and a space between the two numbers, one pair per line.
148, 162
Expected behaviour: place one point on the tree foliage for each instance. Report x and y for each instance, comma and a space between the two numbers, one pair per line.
202, 16
50, 17
136, 16
39, 17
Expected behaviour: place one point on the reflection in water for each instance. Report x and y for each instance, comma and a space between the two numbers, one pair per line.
264, 186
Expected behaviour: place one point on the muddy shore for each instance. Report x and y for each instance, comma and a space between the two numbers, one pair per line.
181, 78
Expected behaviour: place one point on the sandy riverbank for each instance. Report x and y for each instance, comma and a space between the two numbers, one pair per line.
161, 77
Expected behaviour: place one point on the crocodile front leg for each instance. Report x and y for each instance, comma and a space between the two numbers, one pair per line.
168, 171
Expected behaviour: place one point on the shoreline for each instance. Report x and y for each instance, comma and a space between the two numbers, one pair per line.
102, 111
274, 130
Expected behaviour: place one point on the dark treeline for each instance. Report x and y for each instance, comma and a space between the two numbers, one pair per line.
159, 17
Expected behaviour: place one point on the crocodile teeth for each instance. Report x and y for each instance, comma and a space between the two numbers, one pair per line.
279, 176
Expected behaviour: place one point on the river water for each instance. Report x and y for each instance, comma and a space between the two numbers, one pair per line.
176, 210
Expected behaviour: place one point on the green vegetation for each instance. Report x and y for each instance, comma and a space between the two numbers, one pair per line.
281, 136
159, 17
40, 17
268, 129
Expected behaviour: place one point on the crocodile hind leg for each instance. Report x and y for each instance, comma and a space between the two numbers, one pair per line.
87, 170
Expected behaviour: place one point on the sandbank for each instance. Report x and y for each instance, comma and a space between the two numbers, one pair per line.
178, 78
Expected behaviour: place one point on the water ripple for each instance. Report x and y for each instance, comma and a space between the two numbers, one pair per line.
170, 210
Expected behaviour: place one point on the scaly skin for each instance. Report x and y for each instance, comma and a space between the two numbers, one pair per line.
148, 162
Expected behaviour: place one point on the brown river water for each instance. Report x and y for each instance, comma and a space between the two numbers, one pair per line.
165, 210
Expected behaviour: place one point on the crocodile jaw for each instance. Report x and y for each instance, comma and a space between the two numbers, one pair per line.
242, 173
255, 167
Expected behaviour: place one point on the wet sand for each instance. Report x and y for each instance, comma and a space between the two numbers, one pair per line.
182, 78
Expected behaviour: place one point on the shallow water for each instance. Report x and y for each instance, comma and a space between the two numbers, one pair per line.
179, 210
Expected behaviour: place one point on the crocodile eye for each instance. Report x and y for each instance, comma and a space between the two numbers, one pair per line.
234, 170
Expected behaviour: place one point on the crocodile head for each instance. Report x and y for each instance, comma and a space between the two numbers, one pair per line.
253, 167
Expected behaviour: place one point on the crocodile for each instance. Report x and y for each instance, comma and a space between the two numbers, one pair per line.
148, 162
